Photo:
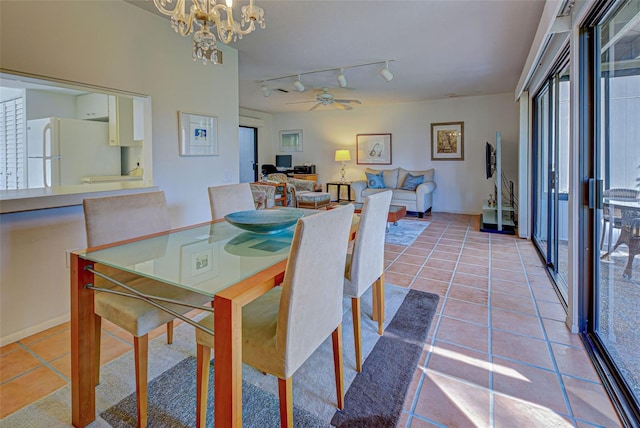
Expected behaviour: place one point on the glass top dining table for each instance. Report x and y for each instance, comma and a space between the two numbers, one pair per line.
217, 259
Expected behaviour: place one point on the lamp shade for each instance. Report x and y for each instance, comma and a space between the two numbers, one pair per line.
343, 155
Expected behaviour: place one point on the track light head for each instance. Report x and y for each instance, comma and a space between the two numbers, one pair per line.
342, 81
298, 85
386, 73
265, 90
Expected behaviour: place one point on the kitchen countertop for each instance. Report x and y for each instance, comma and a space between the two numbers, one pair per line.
64, 196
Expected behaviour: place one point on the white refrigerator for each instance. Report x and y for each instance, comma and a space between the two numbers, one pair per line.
62, 151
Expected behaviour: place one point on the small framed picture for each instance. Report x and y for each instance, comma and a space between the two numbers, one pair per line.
373, 149
447, 141
198, 134
198, 262
291, 141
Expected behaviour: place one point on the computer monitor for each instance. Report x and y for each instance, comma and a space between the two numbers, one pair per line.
283, 161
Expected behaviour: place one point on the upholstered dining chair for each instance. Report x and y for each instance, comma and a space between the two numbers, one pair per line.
117, 218
282, 328
365, 265
230, 198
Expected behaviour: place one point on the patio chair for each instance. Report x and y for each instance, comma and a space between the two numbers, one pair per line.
616, 222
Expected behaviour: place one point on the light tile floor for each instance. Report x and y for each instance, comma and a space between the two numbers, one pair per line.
498, 353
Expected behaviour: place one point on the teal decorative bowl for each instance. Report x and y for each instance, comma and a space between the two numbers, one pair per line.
264, 221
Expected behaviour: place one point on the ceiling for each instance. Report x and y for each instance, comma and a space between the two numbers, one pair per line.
438, 48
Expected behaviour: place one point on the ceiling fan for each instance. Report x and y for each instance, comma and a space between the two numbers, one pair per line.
326, 98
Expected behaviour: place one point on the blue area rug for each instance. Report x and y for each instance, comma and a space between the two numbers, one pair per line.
405, 232
373, 399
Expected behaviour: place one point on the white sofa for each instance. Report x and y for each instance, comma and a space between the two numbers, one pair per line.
418, 200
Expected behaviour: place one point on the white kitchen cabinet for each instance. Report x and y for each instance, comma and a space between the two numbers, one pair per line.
92, 107
121, 128
138, 120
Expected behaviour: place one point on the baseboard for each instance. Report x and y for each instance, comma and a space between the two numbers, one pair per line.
5, 340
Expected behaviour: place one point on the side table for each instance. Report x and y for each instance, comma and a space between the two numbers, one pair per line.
339, 187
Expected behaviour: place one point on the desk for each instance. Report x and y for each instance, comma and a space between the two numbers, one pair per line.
237, 271
339, 186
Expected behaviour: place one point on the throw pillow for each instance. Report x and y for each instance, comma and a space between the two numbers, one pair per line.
412, 181
375, 181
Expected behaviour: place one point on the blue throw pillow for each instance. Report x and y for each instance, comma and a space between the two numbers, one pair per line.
375, 181
412, 181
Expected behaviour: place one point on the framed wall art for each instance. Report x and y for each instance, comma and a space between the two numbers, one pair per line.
447, 141
198, 134
291, 140
373, 149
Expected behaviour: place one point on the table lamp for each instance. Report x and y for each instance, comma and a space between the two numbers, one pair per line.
342, 156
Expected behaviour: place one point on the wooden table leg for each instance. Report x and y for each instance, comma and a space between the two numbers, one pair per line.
227, 379
83, 402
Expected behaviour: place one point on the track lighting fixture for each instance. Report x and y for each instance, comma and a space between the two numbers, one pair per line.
341, 78
386, 73
342, 81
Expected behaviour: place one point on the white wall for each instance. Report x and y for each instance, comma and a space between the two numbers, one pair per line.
462, 185
126, 49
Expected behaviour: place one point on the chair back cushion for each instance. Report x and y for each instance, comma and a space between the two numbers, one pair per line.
367, 260
116, 218
311, 300
229, 199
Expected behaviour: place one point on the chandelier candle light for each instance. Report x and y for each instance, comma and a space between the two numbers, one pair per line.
342, 156
207, 14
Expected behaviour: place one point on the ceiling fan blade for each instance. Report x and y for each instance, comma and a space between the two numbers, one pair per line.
302, 102
348, 101
343, 106
315, 106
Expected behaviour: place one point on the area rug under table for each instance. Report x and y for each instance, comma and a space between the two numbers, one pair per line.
374, 397
405, 232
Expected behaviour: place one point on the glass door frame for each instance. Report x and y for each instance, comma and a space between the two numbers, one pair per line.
549, 252
591, 157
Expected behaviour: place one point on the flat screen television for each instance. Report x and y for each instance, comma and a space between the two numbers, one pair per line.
490, 160
283, 161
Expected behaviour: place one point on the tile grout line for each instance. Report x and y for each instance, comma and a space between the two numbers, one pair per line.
437, 327
492, 403
44, 363
422, 375
546, 338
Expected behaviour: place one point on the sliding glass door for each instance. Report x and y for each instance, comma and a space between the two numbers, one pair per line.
551, 166
610, 120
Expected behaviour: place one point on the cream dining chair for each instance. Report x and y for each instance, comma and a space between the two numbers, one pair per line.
365, 265
230, 198
282, 328
117, 218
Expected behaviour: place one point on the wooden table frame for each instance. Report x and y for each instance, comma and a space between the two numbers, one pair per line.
227, 339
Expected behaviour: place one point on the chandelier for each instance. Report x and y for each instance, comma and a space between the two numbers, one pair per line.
208, 14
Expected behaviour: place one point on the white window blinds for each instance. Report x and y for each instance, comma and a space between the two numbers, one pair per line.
12, 145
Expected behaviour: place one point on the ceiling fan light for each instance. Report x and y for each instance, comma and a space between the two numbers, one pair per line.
265, 90
342, 81
298, 85
386, 73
